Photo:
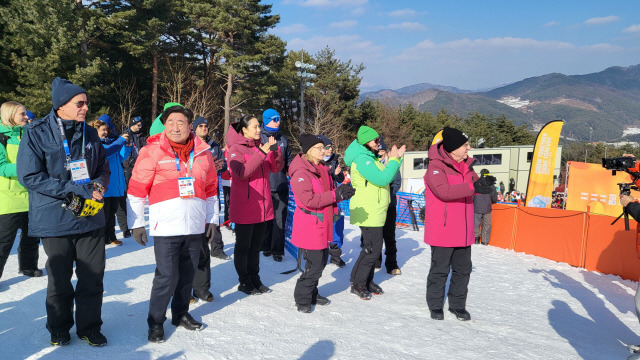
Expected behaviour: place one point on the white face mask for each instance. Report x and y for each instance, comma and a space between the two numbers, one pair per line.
327, 157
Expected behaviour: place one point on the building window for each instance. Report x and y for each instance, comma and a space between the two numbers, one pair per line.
420, 163
529, 156
488, 159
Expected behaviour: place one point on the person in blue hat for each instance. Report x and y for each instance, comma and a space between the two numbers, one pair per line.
273, 241
30, 116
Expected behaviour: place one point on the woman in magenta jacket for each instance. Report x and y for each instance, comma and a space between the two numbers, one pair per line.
450, 183
250, 206
315, 196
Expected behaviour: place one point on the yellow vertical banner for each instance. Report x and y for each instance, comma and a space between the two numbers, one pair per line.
543, 162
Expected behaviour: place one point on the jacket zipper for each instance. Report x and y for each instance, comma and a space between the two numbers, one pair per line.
445, 214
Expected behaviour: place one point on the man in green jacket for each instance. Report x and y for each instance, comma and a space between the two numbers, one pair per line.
369, 206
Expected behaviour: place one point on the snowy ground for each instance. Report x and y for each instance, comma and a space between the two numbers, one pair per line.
522, 307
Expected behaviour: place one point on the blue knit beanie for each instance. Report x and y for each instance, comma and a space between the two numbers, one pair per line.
268, 116
30, 115
199, 120
63, 90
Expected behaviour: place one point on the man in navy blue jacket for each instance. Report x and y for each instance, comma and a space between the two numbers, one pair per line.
59, 156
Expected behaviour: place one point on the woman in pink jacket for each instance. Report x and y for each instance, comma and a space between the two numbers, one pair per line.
250, 207
315, 197
450, 183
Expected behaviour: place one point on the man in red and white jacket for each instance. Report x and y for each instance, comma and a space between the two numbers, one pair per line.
176, 171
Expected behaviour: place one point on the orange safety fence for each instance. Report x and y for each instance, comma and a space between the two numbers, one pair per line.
573, 237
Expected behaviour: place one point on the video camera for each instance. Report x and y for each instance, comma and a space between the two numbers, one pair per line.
631, 166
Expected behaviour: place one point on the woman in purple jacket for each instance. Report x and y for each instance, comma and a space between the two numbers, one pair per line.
450, 183
315, 197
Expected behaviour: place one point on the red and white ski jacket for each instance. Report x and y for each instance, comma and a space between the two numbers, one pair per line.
155, 175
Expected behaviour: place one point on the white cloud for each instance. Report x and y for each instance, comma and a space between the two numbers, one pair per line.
291, 29
405, 13
551, 23
632, 29
326, 3
408, 26
347, 47
601, 20
343, 24
359, 11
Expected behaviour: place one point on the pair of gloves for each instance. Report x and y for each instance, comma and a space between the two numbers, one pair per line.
140, 234
484, 185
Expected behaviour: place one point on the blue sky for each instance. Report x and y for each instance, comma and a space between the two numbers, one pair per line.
468, 44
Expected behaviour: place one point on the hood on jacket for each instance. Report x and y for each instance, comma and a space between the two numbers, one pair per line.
354, 150
299, 163
10, 131
437, 152
107, 120
233, 138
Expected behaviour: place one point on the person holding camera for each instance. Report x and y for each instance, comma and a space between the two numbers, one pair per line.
176, 171
450, 184
59, 157
116, 148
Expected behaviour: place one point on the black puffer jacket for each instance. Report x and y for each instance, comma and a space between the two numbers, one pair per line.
278, 180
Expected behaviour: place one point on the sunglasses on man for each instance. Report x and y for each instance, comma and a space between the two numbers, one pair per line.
80, 104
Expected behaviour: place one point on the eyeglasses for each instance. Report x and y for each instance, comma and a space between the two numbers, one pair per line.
275, 118
80, 104
328, 147
319, 148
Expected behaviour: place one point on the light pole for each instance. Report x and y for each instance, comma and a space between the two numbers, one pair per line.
304, 74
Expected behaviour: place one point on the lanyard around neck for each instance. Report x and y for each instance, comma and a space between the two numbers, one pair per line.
65, 143
190, 162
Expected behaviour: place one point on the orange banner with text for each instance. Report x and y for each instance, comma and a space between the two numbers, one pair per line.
543, 163
590, 186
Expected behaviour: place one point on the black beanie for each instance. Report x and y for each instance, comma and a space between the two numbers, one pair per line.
307, 141
453, 139
134, 120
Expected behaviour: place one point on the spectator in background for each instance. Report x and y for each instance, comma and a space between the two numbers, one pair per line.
251, 206
389, 228
14, 198
201, 128
482, 212
332, 160
52, 154
176, 172
137, 141
273, 242
225, 181
116, 149
30, 117
502, 189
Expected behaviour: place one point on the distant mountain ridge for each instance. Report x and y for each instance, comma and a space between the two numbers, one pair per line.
597, 106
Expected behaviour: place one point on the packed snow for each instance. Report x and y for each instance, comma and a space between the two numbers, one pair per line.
522, 307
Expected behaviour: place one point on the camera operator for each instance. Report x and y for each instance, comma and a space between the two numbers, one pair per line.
632, 206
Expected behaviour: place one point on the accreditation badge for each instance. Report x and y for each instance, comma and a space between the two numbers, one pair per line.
79, 171
187, 188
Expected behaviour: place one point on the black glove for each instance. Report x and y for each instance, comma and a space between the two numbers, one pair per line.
274, 147
210, 232
344, 192
480, 186
140, 235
